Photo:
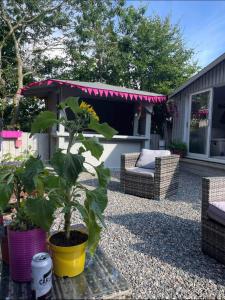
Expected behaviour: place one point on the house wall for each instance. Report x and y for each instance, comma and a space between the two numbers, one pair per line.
213, 78
38, 144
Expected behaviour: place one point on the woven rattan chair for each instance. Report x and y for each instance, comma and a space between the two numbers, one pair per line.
162, 184
213, 233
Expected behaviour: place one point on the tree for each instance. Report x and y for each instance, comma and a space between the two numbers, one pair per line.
120, 45
27, 24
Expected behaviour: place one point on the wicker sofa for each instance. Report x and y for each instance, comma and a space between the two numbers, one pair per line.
154, 184
213, 217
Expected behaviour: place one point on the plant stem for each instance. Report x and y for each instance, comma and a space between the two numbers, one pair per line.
70, 144
67, 217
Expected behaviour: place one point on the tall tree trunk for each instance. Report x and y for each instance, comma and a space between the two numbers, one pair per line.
17, 96
2, 81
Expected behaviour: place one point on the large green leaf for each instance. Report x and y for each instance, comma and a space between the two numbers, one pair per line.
103, 175
97, 201
94, 231
6, 175
104, 129
72, 103
33, 167
41, 211
68, 166
5, 195
43, 121
93, 146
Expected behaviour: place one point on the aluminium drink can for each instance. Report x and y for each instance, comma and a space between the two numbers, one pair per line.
41, 266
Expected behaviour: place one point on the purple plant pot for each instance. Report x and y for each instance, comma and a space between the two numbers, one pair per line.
23, 245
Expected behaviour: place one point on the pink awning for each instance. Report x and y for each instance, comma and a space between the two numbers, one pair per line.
101, 90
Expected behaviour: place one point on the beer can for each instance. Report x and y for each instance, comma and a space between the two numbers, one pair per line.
41, 266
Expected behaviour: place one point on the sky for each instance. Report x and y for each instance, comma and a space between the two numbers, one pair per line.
202, 24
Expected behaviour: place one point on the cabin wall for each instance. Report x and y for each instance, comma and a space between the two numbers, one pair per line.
213, 78
112, 150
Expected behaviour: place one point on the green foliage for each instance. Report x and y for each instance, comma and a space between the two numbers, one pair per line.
21, 179
68, 166
93, 146
178, 145
43, 121
62, 185
104, 129
44, 207
107, 41
21, 220
6, 191
29, 108
127, 48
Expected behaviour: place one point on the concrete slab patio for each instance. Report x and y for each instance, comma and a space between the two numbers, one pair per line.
156, 244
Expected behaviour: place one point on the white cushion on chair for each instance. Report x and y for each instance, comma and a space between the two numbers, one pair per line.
139, 171
147, 158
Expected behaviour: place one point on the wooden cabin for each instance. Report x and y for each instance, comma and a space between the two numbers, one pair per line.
126, 110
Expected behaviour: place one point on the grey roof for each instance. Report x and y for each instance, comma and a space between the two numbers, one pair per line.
99, 85
199, 74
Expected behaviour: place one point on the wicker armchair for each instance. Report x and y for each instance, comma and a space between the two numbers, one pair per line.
164, 183
213, 233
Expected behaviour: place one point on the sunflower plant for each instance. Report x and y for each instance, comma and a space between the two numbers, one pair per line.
63, 179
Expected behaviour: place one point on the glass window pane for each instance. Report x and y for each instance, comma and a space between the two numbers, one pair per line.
199, 123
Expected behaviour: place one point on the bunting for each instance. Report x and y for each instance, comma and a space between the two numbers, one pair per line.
98, 91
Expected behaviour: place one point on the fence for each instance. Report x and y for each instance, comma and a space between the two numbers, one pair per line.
37, 144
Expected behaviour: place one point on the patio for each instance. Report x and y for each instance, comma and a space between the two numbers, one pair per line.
156, 244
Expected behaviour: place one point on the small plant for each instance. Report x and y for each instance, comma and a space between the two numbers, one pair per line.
18, 183
65, 189
178, 147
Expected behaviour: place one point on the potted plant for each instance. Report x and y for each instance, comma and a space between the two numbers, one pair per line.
68, 246
178, 147
19, 182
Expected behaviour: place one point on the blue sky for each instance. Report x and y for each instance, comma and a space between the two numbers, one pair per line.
202, 24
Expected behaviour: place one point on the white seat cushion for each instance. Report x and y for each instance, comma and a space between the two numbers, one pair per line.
138, 171
147, 158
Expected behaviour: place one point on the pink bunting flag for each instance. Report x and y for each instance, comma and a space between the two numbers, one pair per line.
95, 91
116, 93
135, 96
101, 92
131, 96
111, 93
106, 93
126, 95
89, 91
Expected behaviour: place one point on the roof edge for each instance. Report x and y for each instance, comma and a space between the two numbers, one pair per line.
199, 74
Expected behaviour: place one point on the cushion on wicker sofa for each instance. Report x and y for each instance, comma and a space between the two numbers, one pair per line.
138, 171
216, 211
147, 158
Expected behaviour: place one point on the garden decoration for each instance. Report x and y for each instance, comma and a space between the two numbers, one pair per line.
178, 147
18, 181
68, 246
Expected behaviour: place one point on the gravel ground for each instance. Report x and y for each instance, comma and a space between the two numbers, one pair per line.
156, 244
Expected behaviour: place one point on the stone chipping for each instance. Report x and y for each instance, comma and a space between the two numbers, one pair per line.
156, 245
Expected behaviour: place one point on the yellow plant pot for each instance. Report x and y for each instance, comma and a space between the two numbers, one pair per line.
68, 261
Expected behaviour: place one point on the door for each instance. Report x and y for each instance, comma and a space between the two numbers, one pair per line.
199, 124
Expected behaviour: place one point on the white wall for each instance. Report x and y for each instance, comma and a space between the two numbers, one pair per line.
37, 144
112, 151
